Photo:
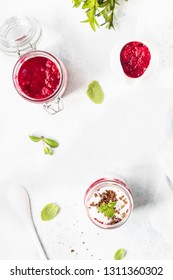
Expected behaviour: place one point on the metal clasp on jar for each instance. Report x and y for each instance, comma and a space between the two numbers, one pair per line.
54, 106
20, 53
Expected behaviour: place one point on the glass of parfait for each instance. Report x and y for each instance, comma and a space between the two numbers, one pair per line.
108, 202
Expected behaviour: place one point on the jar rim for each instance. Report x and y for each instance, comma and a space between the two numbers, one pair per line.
19, 34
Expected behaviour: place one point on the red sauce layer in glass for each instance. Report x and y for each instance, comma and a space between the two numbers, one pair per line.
135, 59
38, 77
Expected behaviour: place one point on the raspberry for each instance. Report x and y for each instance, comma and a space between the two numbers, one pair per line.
38, 77
135, 59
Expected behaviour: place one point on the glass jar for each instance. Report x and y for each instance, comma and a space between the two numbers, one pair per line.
108, 202
38, 76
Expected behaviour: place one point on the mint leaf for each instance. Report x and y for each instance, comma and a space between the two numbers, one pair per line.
109, 212
112, 204
47, 151
35, 138
103, 207
95, 92
50, 152
52, 143
120, 254
49, 212
107, 209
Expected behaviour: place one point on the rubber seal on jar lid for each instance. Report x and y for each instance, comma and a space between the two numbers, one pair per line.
19, 35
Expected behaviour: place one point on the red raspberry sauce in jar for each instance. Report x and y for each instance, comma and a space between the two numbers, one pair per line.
38, 77
135, 59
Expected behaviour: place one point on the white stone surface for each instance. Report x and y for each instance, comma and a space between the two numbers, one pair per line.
124, 135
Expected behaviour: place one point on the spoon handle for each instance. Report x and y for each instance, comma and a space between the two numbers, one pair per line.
20, 201
33, 230
38, 243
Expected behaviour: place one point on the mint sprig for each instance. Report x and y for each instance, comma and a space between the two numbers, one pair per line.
94, 9
47, 143
107, 209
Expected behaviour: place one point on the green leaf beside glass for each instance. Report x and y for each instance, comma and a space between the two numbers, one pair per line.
49, 212
120, 254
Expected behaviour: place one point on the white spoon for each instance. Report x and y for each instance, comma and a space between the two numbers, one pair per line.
20, 201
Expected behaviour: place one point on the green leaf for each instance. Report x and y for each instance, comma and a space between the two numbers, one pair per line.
105, 14
52, 143
77, 3
34, 138
102, 5
88, 4
92, 24
112, 204
47, 151
95, 92
49, 212
87, 20
112, 4
109, 212
107, 209
95, 21
103, 207
90, 14
50, 152
120, 254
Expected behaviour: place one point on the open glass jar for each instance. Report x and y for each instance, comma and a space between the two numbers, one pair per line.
108, 202
38, 76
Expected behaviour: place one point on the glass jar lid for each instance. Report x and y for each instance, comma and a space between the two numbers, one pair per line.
18, 35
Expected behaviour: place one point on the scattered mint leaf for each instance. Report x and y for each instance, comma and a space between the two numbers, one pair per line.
52, 143
120, 254
47, 142
35, 138
50, 152
107, 209
47, 151
95, 92
49, 212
